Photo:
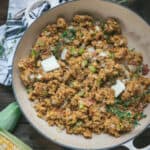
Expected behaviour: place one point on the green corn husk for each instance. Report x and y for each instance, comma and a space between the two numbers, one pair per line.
9, 116
11, 142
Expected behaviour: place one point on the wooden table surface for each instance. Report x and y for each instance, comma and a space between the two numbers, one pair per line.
24, 130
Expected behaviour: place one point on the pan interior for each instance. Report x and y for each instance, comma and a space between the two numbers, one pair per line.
138, 35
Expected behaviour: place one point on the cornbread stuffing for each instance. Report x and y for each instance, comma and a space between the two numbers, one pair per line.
82, 77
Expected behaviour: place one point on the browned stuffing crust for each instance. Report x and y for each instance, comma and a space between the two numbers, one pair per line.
78, 96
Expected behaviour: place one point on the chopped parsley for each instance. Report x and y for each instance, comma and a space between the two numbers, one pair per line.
92, 68
57, 49
79, 123
137, 117
73, 83
102, 23
139, 69
111, 55
119, 113
123, 103
84, 63
81, 51
81, 93
107, 37
40, 43
81, 106
142, 115
136, 123
132, 49
29, 89
74, 51
34, 53
130, 101
69, 35
99, 82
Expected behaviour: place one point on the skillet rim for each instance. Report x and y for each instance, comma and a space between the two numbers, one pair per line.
13, 76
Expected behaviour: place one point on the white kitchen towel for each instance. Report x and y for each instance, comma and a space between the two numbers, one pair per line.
12, 31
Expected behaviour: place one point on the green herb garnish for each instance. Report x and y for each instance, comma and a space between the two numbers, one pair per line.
119, 113
99, 82
92, 69
136, 123
137, 72
57, 49
81, 51
73, 84
123, 103
34, 53
102, 23
69, 35
29, 89
106, 37
64, 34
79, 123
135, 76
137, 117
84, 63
142, 115
132, 100
139, 69
111, 55
81, 93
40, 43
73, 51
132, 49
45, 93
81, 106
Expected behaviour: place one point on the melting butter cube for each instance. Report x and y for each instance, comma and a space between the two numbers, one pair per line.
50, 64
119, 87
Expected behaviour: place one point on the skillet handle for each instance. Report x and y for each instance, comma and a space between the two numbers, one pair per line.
33, 5
130, 145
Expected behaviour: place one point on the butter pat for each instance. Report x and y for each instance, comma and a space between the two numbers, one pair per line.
119, 87
103, 54
91, 49
50, 64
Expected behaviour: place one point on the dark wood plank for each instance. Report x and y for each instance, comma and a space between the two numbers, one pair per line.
34, 139
3, 11
6, 96
142, 7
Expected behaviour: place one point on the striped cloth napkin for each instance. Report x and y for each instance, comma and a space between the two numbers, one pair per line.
12, 31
